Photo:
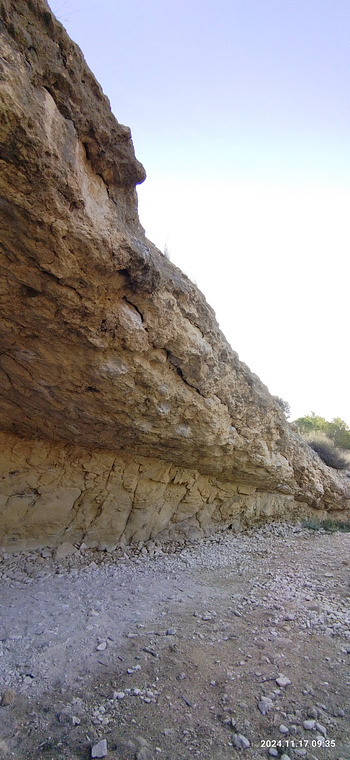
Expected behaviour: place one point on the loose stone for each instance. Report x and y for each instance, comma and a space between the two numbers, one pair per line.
144, 753
313, 712
99, 749
265, 704
118, 695
282, 680
8, 697
309, 725
240, 741
65, 550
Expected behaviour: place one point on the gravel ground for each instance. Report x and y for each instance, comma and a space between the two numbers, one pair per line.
235, 647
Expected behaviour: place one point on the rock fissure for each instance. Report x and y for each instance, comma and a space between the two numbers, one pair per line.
134, 306
175, 362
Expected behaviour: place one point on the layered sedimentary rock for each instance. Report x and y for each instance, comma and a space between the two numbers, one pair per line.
124, 412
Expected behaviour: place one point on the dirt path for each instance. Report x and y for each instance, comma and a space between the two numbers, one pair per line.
175, 656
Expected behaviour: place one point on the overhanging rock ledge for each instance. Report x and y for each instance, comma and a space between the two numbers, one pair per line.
125, 414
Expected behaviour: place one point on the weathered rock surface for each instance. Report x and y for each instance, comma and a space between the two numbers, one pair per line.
124, 411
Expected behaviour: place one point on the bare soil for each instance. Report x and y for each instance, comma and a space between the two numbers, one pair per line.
193, 637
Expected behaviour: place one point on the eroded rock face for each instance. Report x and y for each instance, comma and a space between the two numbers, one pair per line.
109, 352
54, 492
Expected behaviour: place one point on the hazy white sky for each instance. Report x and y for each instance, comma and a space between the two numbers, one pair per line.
240, 112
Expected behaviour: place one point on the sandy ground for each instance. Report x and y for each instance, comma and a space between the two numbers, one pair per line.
178, 655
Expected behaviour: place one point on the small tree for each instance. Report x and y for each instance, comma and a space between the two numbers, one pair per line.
339, 432
311, 424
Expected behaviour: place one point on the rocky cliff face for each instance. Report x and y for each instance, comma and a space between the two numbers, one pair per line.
124, 411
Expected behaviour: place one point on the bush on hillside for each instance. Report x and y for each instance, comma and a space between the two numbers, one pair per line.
311, 423
337, 430
333, 525
329, 525
329, 454
284, 405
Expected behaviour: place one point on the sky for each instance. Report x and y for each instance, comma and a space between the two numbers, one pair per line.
240, 113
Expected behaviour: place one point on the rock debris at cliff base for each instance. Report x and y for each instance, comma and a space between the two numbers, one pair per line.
179, 653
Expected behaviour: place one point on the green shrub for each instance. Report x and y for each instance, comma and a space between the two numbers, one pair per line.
328, 525
312, 524
329, 454
337, 430
339, 433
312, 423
333, 525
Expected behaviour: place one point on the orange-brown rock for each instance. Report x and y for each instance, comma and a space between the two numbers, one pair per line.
124, 411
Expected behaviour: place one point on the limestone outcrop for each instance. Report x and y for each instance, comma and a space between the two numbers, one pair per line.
125, 414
